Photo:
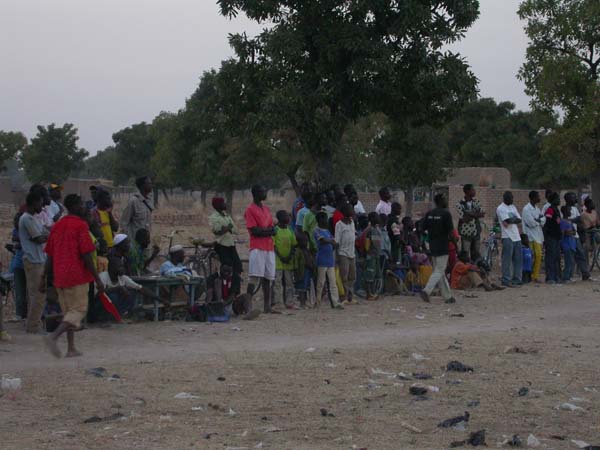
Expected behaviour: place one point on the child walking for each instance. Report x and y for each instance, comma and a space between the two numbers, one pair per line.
527, 258
304, 268
285, 243
326, 261
345, 236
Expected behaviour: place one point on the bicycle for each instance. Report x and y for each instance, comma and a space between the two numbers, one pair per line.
204, 260
491, 248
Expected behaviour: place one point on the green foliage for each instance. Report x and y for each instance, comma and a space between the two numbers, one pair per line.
327, 63
101, 165
561, 73
52, 154
11, 144
493, 134
134, 147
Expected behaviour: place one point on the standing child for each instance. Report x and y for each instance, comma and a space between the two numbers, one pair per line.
527, 258
304, 267
373, 246
567, 243
552, 238
325, 260
285, 243
345, 236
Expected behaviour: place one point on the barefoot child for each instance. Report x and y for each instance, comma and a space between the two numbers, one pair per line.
285, 243
69, 251
345, 236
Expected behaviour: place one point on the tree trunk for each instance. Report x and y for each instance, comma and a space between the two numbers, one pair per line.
155, 194
325, 170
164, 191
203, 197
409, 198
229, 200
595, 180
294, 182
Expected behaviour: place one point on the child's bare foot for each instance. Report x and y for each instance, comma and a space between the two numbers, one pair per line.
73, 354
52, 347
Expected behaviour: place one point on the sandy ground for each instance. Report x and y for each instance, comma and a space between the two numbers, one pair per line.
263, 384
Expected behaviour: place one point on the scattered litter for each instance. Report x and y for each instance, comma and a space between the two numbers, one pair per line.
114, 377
327, 381
236, 329
454, 382
448, 423
569, 407
96, 419
237, 448
167, 418
515, 349
514, 442
475, 439
185, 396
523, 391
198, 408
97, 371
456, 366
272, 429
420, 316
580, 444
221, 379
397, 310
402, 376
417, 390
330, 365
326, 413
590, 389
140, 401
390, 375
457, 315
553, 372
336, 351
469, 295
454, 347
578, 399
473, 403
10, 384
309, 350
259, 445
532, 441
422, 376
408, 426
232, 413
419, 357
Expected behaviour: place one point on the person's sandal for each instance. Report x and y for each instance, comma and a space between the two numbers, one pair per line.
425, 297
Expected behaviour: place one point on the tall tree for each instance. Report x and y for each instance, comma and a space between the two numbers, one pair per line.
415, 156
561, 73
329, 62
11, 144
101, 165
53, 154
134, 147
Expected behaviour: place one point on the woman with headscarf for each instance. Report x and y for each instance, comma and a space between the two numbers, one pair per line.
223, 228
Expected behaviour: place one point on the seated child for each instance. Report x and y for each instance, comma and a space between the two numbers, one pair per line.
118, 287
224, 287
467, 276
527, 259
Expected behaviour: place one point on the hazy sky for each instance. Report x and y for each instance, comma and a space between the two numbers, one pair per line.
104, 65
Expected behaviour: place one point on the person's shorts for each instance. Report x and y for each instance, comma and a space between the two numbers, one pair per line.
73, 303
261, 264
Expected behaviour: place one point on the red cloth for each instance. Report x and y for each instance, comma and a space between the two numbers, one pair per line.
337, 216
460, 270
109, 306
69, 240
257, 216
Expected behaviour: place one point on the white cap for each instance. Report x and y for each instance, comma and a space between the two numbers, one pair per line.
176, 248
119, 238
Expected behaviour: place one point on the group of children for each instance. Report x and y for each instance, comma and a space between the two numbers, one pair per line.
326, 249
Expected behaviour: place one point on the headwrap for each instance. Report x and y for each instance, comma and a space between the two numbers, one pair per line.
218, 203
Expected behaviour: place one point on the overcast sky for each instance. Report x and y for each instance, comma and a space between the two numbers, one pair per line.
104, 65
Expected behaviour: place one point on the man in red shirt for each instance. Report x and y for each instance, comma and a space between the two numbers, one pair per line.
261, 267
69, 249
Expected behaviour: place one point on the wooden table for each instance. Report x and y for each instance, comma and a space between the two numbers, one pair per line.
155, 282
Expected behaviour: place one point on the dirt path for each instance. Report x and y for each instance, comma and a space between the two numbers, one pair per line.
256, 385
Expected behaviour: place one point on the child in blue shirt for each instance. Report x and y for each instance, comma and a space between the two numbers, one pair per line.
326, 261
527, 259
567, 243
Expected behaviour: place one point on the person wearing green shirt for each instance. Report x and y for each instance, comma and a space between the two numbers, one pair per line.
310, 220
223, 228
137, 262
285, 243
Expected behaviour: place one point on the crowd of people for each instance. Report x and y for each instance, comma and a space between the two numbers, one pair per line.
72, 253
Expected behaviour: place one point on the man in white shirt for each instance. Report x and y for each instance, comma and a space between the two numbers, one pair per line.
353, 199
512, 254
533, 223
580, 255
385, 203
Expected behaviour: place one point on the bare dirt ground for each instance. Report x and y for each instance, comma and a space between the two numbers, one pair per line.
263, 384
